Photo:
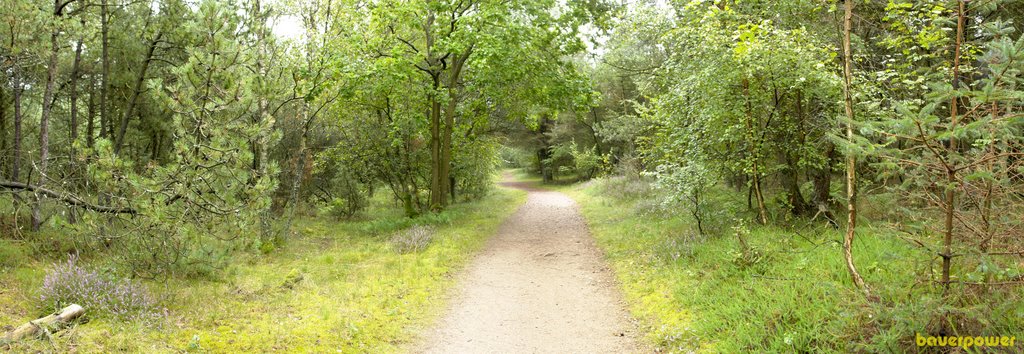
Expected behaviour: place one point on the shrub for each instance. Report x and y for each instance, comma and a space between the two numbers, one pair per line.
413, 239
68, 283
473, 167
349, 195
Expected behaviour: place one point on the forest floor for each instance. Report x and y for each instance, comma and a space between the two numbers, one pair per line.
539, 285
335, 286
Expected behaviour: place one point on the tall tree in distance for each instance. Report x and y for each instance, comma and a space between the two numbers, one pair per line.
452, 42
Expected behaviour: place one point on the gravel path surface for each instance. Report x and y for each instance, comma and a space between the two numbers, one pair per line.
539, 286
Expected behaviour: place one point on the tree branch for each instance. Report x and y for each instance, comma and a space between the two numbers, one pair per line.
67, 198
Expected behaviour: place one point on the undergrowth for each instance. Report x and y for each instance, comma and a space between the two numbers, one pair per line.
333, 286
786, 291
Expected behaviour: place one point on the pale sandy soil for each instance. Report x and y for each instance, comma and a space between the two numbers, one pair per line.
539, 286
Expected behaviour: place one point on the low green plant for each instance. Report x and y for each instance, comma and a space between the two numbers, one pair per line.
13, 253
786, 291
333, 286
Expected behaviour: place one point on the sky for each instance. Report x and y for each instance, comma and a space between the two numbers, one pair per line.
288, 27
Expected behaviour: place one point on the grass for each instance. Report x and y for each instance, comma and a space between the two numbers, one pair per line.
703, 295
334, 287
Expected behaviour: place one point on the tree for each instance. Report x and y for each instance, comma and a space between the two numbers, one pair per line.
851, 159
454, 42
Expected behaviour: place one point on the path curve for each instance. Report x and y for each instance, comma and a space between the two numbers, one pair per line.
539, 286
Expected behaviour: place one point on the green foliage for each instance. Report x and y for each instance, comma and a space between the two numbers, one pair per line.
789, 293
13, 253
330, 275
514, 157
386, 225
474, 166
733, 97
190, 210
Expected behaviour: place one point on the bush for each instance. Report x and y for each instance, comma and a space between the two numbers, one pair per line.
68, 283
473, 167
349, 195
413, 239
344, 208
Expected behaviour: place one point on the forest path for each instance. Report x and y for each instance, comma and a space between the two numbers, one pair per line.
539, 286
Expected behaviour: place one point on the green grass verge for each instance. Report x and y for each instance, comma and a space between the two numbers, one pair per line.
334, 287
702, 295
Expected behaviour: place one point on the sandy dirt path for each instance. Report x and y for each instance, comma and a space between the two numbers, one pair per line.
539, 286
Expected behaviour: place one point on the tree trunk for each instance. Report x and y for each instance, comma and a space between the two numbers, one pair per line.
950, 197
437, 196
300, 162
756, 174
790, 180
3, 131
544, 152
105, 70
35, 327
851, 161
18, 91
445, 163
139, 80
75, 67
73, 123
89, 126
44, 118
822, 180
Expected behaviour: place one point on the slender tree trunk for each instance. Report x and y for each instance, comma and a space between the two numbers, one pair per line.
300, 162
73, 95
445, 162
73, 123
105, 69
822, 179
851, 161
89, 126
44, 118
950, 197
3, 131
598, 147
751, 139
18, 91
790, 180
544, 152
139, 80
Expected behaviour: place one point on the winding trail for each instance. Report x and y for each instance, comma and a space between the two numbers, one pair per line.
539, 286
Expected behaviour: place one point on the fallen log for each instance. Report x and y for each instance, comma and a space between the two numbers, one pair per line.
54, 321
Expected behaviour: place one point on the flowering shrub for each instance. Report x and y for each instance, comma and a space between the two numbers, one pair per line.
68, 283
